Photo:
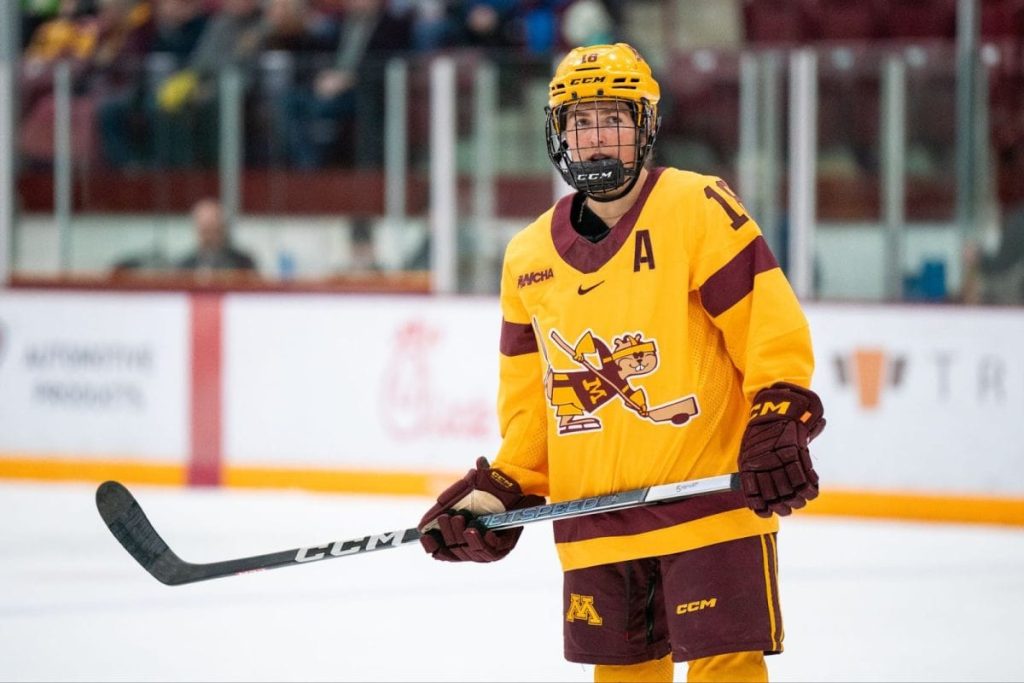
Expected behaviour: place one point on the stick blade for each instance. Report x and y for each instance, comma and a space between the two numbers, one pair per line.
128, 523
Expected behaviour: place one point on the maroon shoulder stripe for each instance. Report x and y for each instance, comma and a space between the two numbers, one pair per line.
517, 339
735, 279
643, 519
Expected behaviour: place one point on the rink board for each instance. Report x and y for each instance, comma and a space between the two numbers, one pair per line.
395, 394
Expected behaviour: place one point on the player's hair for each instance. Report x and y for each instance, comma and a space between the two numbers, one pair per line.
602, 73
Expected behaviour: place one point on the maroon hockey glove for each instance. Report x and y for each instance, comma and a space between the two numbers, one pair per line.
449, 532
775, 466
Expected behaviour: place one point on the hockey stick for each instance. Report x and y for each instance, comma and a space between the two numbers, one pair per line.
126, 520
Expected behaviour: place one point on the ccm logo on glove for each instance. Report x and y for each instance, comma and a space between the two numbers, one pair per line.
762, 409
776, 473
501, 480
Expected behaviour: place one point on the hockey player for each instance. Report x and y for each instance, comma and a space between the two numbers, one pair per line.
671, 261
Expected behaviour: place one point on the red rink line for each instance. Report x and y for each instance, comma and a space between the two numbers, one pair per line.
205, 463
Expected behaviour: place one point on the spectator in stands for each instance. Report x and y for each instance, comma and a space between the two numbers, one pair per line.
179, 26
503, 25
214, 250
100, 47
91, 36
125, 32
351, 90
487, 23
298, 41
590, 22
187, 99
292, 27
126, 117
431, 25
34, 13
70, 36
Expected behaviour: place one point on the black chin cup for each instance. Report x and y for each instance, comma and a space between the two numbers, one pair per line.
593, 177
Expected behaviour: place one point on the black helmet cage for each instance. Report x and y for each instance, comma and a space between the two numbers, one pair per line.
598, 178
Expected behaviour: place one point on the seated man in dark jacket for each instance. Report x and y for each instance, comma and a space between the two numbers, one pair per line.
214, 251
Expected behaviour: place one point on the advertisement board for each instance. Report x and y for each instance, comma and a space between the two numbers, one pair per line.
88, 374
921, 398
372, 382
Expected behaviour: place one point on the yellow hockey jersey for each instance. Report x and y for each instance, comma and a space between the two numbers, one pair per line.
633, 361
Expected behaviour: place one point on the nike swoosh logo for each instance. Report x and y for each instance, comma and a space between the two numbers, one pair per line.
581, 290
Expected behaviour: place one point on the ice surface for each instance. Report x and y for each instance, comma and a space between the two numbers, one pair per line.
863, 601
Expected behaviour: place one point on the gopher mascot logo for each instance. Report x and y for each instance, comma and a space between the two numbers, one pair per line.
605, 374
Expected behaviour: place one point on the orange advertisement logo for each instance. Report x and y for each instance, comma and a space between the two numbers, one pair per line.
870, 371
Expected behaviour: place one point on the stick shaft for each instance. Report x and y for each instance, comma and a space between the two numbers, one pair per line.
128, 523
612, 501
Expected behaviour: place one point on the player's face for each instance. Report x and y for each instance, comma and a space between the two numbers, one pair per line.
601, 130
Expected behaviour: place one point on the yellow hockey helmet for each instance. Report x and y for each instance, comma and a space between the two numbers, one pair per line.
612, 71
602, 72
